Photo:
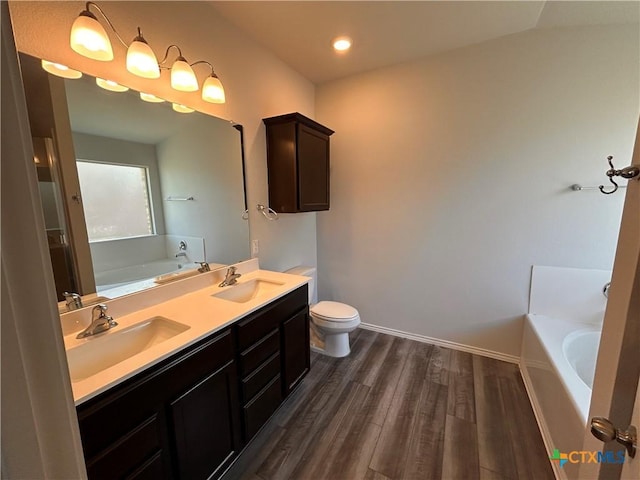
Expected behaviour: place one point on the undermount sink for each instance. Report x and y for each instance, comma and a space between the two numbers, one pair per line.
246, 291
107, 350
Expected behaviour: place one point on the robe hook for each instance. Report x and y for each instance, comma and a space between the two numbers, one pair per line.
627, 172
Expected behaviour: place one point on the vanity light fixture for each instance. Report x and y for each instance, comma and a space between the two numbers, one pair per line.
141, 60
147, 97
182, 108
89, 38
212, 89
183, 77
342, 44
110, 85
60, 70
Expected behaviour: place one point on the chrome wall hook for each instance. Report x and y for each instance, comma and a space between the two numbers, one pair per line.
268, 212
615, 187
627, 172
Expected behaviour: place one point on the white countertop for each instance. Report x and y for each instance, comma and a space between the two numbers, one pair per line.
198, 309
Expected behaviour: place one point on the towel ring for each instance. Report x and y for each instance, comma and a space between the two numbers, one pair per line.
268, 212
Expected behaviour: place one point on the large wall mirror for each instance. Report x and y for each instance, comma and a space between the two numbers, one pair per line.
134, 194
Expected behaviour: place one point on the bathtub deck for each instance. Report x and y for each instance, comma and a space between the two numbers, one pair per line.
396, 408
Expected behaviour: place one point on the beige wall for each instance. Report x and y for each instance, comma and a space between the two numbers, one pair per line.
450, 175
257, 85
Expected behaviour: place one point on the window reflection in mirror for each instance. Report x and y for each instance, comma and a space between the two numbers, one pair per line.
116, 200
133, 182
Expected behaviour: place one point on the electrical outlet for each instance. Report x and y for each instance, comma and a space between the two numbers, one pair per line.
255, 248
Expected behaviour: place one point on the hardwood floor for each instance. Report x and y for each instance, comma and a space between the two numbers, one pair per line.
400, 409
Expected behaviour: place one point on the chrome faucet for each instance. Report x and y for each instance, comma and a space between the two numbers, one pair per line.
231, 278
204, 267
100, 322
73, 300
182, 249
605, 289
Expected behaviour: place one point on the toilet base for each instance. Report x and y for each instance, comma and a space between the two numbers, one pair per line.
332, 345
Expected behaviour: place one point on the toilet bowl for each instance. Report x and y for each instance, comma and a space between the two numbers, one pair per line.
331, 322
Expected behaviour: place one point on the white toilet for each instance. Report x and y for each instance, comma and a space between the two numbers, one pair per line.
331, 322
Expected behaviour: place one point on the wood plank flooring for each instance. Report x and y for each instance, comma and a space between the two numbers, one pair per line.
400, 409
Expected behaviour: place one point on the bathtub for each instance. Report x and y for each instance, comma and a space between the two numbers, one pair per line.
121, 276
558, 363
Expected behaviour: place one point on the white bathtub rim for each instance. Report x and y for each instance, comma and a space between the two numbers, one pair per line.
547, 438
552, 338
129, 274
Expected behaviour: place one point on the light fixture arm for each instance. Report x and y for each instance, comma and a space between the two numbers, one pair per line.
104, 15
213, 73
206, 63
166, 55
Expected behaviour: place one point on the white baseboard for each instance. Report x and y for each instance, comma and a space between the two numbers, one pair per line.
443, 343
542, 425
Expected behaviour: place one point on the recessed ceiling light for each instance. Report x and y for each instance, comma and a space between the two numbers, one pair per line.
342, 44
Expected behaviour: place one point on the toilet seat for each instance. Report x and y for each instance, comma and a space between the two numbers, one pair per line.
334, 312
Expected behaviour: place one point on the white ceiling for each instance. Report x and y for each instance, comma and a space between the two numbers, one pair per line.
390, 32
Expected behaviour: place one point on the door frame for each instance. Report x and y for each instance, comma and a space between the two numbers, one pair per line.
618, 363
40, 435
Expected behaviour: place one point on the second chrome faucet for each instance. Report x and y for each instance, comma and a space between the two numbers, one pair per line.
100, 322
231, 277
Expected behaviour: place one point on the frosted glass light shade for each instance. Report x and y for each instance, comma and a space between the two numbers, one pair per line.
111, 85
147, 97
141, 60
212, 90
59, 70
182, 108
88, 38
182, 76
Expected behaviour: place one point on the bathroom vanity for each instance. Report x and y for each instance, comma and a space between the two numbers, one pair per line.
190, 411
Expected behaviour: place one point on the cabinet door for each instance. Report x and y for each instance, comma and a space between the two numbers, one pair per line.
206, 425
296, 350
313, 170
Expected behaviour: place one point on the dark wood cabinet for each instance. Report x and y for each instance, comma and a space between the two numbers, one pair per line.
295, 352
188, 404
262, 365
203, 422
298, 163
190, 416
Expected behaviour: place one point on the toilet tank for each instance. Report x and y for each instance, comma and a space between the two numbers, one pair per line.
313, 284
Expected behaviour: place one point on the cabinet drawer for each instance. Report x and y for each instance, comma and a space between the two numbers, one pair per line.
258, 379
266, 319
252, 357
128, 453
258, 411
